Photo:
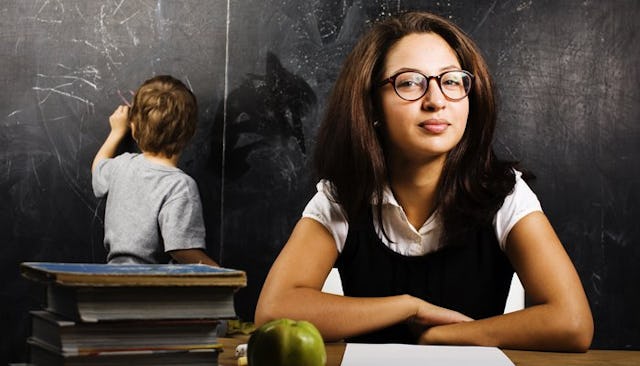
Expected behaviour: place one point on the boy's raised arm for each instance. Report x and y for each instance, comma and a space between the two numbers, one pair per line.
119, 121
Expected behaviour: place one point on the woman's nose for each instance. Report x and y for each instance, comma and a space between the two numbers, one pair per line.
433, 99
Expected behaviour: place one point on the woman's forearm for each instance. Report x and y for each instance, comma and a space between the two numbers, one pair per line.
540, 327
337, 317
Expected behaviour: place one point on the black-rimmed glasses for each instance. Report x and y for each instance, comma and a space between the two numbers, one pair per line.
413, 85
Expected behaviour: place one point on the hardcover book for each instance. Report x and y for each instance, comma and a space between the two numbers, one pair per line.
130, 314
81, 338
95, 274
44, 354
104, 292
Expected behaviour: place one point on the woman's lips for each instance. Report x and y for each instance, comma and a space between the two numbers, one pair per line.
434, 126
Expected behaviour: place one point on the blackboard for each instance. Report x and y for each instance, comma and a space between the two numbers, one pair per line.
64, 67
569, 111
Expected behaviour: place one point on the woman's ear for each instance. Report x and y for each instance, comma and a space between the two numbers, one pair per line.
378, 119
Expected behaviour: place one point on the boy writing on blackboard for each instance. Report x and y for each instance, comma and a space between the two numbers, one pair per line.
153, 212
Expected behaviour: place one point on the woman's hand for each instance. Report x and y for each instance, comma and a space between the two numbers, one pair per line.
429, 315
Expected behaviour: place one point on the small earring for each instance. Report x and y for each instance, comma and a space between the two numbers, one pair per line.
376, 123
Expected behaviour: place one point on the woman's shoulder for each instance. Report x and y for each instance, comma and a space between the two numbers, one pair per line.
323, 202
324, 209
520, 202
326, 188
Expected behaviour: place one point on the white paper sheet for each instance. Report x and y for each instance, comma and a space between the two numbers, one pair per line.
361, 354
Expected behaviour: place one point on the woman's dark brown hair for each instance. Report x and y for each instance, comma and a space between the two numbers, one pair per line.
349, 151
164, 114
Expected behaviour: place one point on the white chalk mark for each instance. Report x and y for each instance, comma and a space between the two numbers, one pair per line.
189, 84
79, 12
62, 85
136, 40
96, 211
88, 75
8, 173
129, 17
524, 6
35, 172
85, 42
58, 118
18, 42
55, 21
90, 44
72, 183
56, 91
44, 5
61, 5
93, 85
108, 47
486, 15
117, 8
224, 127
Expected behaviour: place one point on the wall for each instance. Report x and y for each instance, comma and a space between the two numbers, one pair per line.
566, 73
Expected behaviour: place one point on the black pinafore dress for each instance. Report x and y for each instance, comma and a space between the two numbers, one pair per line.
471, 276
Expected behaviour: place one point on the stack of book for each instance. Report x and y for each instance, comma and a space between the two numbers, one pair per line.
101, 314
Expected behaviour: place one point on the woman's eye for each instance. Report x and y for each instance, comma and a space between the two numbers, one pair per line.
407, 83
451, 82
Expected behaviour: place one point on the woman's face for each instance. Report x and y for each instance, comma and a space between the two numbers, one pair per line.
431, 126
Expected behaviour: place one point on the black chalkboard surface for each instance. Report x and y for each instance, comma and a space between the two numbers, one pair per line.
569, 111
65, 66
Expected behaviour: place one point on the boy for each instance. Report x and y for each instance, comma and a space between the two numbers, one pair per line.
153, 212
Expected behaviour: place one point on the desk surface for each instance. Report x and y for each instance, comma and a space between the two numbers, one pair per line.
520, 358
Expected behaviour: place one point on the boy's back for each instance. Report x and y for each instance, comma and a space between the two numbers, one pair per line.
143, 197
153, 212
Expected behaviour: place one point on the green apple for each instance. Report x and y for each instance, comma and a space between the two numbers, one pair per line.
286, 342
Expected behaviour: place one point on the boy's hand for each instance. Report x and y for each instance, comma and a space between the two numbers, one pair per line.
184, 256
119, 120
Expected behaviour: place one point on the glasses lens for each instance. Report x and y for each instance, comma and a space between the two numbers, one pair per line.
455, 84
410, 85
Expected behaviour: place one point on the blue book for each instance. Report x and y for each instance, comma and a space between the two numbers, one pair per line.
91, 292
95, 274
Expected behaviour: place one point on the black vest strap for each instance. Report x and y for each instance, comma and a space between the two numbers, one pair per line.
471, 276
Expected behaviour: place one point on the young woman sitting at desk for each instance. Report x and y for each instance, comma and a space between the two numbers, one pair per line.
424, 223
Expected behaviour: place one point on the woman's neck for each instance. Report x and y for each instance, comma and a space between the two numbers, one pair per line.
161, 159
415, 187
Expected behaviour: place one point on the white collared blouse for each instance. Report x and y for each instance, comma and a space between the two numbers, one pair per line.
406, 239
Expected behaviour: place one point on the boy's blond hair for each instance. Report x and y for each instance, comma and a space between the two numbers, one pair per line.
164, 116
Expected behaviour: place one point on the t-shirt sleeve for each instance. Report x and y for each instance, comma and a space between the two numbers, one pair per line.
325, 210
100, 177
182, 224
518, 204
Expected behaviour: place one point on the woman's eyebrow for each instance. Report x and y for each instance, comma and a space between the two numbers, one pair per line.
442, 69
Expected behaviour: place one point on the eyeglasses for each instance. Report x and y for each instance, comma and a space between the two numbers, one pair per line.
413, 85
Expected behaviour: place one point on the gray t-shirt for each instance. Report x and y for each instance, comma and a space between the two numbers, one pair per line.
151, 209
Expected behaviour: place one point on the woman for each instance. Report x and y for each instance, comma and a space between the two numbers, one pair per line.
425, 225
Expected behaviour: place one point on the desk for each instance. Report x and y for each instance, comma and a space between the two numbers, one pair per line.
520, 358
